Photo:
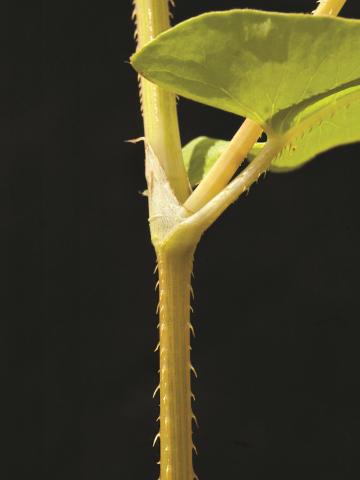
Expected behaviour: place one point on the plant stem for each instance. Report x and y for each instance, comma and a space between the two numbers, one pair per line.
226, 166
166, 177
159, 107
207, 215
175, 235
329, 7
175, 390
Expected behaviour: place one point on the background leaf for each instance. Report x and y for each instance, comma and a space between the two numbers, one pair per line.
201, 153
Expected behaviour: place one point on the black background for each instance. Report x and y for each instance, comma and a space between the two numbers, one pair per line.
276, 279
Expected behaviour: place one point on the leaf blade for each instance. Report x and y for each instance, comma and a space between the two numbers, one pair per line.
298, 72
253, 63
320, 126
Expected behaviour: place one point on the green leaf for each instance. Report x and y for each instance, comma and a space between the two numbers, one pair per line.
296, 75
308, 129
201, 153
253, 63
317, 125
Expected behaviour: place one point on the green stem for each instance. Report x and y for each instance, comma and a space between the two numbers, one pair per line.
159, 107
329, 7
225, 167
175, 388
206, 216
174, 235
166, 178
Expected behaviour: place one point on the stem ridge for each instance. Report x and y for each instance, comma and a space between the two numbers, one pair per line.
176, 414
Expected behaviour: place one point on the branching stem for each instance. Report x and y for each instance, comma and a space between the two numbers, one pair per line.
207, 215
226, 166
176, 228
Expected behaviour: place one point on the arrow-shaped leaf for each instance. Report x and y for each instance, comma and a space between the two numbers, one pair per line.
297, 75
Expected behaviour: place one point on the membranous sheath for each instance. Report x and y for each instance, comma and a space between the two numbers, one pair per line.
158, 106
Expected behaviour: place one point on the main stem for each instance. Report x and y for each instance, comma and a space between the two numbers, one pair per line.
174, 264
175, 367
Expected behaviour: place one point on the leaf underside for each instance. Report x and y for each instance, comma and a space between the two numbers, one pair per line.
297, 75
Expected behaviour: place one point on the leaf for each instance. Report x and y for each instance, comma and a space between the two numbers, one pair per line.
201, 153
253, 63
308, 129
317, 125
296, 75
